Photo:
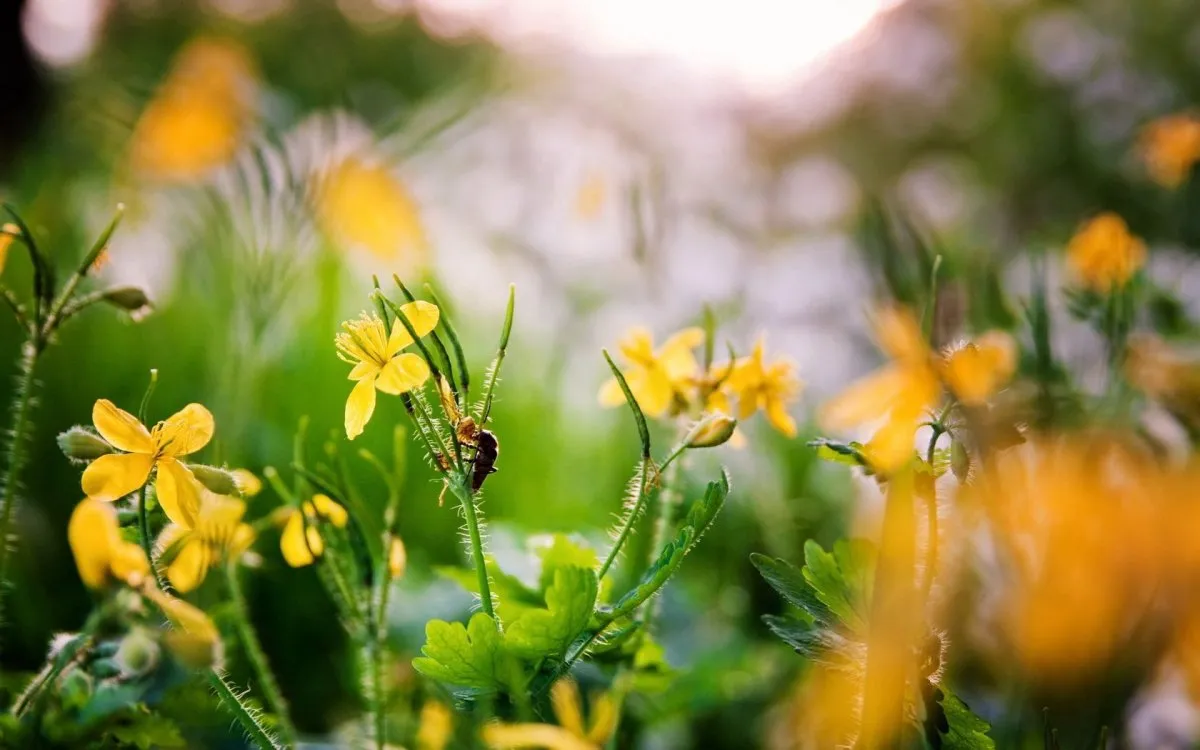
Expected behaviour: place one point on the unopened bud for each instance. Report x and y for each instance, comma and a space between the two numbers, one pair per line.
247, 482
137, 654
217, 481
128, 298
81, 444
712, 431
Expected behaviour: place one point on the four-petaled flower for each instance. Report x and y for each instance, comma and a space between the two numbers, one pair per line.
655, 377
301, 540
570, 734
977, 369
218, 535
1104, 255
766, 387
379, 362
116, 475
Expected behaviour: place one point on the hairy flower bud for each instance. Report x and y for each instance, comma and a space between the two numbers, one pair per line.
81, 444
712, 431
217, 481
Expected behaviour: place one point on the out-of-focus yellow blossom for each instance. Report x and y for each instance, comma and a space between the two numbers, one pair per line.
570, 734
196, 640
822, 711
766, 387
101, 555
979, 368
200, 114
219, 534
1104, 255
397, 558
1170, 147
655, 377
361, 204
116, 475
8, 234
378, 360
1165, 374
900, 393
592, 195
248, 483
301, 539
436, 726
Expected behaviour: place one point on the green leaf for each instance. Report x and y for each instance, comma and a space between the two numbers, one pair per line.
967, 731
789, 582
570, 600
818, 644
148, 732
470, 656
842, 579
563, 553
849, 454
515, 598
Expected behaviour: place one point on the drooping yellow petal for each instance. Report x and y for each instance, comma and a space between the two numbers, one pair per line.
423, 316
298, 550
359, 407
779, 418
604, 719
178, 492
186, 431
402, 374
196, 642
116, 475
324, 507
189, 567
92, 533
513, 736
397, 558
564, 698
899, 334
121, 429
865, 400
677, 356
129, 563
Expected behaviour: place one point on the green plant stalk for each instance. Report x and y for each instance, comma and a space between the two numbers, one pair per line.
245, 716
54, 667
931, 514
458, 484
668, 499
639, 506
144, 537
15, 457
272, 693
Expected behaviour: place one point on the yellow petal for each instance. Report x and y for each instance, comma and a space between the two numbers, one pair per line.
653, 392
423, 316
359, 407
243, 538
6, 241
178, 492
779, 418
197, 641
297, 550
564, 698
402, 374
120, 428
604, 720
187, 570
894, 444
116, 475
363, 369
899, 334
677, 357
397, 558
637, 346
505, 736
92, 533
129, 563
436, 724
248, 484
327, 509
611, 394
187, 431
865, 400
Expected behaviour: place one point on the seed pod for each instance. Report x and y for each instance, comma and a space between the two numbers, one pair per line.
81, 444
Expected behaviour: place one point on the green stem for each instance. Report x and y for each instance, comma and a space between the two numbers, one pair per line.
639, 505
272, 693
668, 498
15, 457
144, 538
248, 718
463, 491
931, 517
54, 667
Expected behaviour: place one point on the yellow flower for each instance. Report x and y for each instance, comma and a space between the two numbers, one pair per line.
899, 393
248, 484
655, 377
301, 540
8, 233
116, 475
758, 385
378, 360
590, 199
196, 640
199, 115
1103, 254
100, 553
1170, 147
436, 725
397, 558
365, 205
977, 369
219, 534
570, 734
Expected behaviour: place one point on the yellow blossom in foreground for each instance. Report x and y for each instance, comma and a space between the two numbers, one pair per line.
900, 393
397, 558
436, 726
116, 475
655, 377
1170, 147
301, 540
200, 114
1104, 255
248, 484
196, 640
218, 535
365, 205
979, 368
378, 360
766, 387
570, 734
100, 553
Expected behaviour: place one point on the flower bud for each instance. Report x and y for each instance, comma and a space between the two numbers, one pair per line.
217, 481
137, 654
128, 298
81, 444
712, 431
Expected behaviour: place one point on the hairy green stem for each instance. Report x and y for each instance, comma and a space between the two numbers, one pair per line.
15, 458
462, 489
272, 694
668, 499
54, 666
627, 527
247, 717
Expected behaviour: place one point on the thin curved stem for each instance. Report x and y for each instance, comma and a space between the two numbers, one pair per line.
466, 497
248, 718
16, 457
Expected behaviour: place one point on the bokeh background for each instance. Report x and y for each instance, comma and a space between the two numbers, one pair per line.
621, 163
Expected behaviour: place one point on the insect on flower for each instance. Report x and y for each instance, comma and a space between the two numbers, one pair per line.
484, 447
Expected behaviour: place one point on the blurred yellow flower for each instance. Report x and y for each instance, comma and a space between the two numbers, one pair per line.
365, 205
200, 114
116, 475
1104, 255
196, 640
570, 734
8, 234
378, 361
900, 393
248, 483
655, 377
100, 553
766, 387
397, 558
218, 535
592, 195
979, 368
436, 726
1170, 146
301, 541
